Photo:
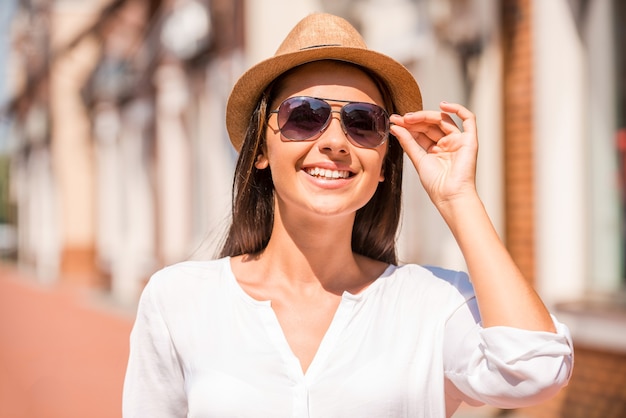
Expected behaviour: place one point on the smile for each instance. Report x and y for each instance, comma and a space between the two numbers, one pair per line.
327, 174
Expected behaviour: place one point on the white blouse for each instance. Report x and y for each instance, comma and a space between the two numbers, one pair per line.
410, 345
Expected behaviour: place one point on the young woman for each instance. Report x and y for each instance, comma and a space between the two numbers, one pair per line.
307, 313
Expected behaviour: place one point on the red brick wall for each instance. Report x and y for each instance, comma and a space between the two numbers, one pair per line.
518, 123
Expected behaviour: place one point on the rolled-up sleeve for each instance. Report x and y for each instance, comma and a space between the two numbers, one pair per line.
503, 366
154, 384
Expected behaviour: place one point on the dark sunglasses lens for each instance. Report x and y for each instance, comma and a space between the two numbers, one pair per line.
367, 124
301, 118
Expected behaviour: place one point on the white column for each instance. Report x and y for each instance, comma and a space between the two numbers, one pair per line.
44, 216
487, 104
604, 205
107, 127
173, 169
135, 235
560, 152
214, 161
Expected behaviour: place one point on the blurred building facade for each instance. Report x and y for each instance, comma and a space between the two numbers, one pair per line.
118, 161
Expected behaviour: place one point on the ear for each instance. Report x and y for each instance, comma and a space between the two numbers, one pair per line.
261, 162
381, 178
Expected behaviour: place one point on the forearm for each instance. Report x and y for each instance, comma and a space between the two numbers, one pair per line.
504, 296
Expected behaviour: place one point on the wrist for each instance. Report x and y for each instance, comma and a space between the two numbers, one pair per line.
464, 212
458, 202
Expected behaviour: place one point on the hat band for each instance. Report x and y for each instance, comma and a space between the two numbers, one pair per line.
318, 46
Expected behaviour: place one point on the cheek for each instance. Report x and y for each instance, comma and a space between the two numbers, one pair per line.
282, 160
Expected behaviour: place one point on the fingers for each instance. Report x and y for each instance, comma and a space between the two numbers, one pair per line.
432, 122
431, 129
424, 128
429, 122
467, 117
415, 146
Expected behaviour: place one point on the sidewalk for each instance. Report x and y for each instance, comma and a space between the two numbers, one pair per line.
63, 352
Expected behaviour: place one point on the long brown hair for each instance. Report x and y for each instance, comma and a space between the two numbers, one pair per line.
375, 225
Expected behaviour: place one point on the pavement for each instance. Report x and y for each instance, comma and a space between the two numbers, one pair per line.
63, 350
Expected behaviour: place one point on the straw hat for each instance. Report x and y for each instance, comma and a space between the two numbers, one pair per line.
319, 36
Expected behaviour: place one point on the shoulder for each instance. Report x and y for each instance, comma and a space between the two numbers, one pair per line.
190, 271
435, 280
187, 278
183, 293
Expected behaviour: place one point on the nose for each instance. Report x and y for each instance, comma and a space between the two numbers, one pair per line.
334, 138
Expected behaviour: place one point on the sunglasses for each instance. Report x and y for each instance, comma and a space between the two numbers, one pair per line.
304, 118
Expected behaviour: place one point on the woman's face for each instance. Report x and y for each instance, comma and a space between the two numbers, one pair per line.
327, 176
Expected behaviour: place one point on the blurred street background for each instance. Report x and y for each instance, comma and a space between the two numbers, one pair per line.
115, 161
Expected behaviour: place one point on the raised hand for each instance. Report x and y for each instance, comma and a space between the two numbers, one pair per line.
443, 155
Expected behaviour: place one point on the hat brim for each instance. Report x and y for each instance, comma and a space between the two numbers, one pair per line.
405, 92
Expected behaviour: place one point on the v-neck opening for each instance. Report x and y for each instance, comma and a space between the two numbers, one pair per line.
331, 336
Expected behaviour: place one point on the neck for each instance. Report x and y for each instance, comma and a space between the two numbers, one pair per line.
307, 258
314, 250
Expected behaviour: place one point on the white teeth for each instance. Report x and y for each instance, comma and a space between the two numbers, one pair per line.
328, 174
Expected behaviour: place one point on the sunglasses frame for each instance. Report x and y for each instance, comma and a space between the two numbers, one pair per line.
323, 128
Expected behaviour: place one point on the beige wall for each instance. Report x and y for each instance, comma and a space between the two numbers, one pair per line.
268, 22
